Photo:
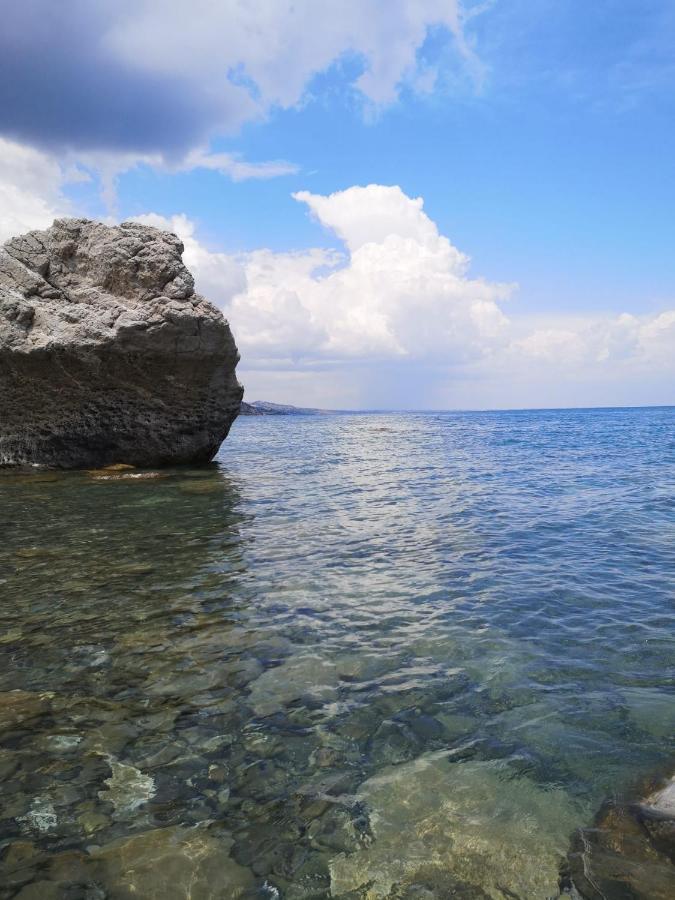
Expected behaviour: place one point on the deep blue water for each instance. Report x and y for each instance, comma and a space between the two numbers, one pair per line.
410, 646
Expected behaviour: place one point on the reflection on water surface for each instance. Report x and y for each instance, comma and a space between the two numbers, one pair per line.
359, 657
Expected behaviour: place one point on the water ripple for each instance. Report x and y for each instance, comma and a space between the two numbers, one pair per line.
278, 644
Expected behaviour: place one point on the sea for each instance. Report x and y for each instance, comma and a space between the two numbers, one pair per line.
360, 656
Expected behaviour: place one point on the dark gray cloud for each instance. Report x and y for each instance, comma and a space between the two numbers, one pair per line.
153, 76
60, 88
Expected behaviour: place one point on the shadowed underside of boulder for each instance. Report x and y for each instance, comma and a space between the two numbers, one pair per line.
107, 354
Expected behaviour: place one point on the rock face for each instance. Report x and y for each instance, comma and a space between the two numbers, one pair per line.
107, 354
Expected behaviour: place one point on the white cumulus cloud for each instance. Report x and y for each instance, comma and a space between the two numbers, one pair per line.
399, 304
400, 290
271, 50
30, 189
601, 343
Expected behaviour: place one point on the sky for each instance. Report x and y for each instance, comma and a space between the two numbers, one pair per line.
397, 204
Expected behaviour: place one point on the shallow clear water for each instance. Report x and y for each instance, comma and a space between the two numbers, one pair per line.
360, 656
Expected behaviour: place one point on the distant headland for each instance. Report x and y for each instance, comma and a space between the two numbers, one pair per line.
265, 408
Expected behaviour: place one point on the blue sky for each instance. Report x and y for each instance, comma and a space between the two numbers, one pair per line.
539, 135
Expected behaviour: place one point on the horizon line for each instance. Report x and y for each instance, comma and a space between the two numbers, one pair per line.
376, 409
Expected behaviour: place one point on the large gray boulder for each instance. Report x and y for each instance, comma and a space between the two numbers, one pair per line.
107, 354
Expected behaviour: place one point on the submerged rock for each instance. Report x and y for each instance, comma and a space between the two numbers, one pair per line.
446, 829
629, 852
172, 864
107, 354
18, 707
308, 677
41, 817
128, 788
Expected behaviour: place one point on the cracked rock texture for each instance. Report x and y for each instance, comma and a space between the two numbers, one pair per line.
107, 354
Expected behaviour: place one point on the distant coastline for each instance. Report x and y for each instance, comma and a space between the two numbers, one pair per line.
265, 408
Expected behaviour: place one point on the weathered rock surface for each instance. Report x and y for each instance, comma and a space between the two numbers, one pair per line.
107, 354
